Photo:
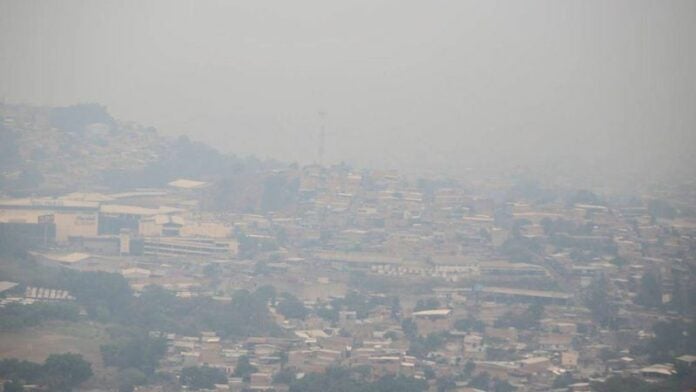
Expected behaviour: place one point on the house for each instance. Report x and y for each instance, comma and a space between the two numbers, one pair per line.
658, 371
6, 286
433, 321
688, 360
261, 381
534, 364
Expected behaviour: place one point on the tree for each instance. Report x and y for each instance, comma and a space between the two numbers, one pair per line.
622, 384
395, 308
469, 324
244, 368
291, 307
279, 192
469, 368
446, 384
426, 304
597, 300
328, 313
63, 372
481, 381
525, 320
671, 339
410, 328
16, 316
398, 384
662, 209
26, 371
563, 380
141, 352
650, 291
12, 386
285, 376
203, 377
129, 378
502, 386
536, 313
266, 293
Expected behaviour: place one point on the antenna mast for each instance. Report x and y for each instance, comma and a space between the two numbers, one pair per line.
322, 136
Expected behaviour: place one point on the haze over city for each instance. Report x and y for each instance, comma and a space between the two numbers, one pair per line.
356, 196
423, 86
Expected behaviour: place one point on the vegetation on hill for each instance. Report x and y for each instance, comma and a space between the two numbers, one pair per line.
107, 297
14, 317
202, 377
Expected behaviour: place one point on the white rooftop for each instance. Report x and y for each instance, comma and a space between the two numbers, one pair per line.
5, 285
432, 312
187, 184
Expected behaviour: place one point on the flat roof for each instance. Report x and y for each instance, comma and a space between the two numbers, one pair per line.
433, 312
687, 358
136, 210
20, 216
48, 204
527, 293
187, 184
534, 360
5, 285
67, 258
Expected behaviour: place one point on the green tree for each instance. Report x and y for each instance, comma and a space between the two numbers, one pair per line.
469, 368
291, 307
563, 380
662, 209
26, 371
12, 386
397, 384
671, 339
244, 368
599, 303
129, 378
328, 313
410, 328
650, 291
141, 352
525, 320
481, 381
266, 293
446, 384
285, 376
502, 386
395, 308
469, 324
420, 347
203, 377
16, 316
63, 372
427, 304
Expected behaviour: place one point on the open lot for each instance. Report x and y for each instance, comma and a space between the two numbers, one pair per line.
55, 337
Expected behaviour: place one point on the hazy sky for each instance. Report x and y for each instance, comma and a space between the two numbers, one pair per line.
429, 84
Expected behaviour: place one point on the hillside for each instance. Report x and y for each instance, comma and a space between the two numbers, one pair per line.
48, 151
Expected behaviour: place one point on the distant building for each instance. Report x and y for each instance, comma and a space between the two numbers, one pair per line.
432, 321
175, 246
